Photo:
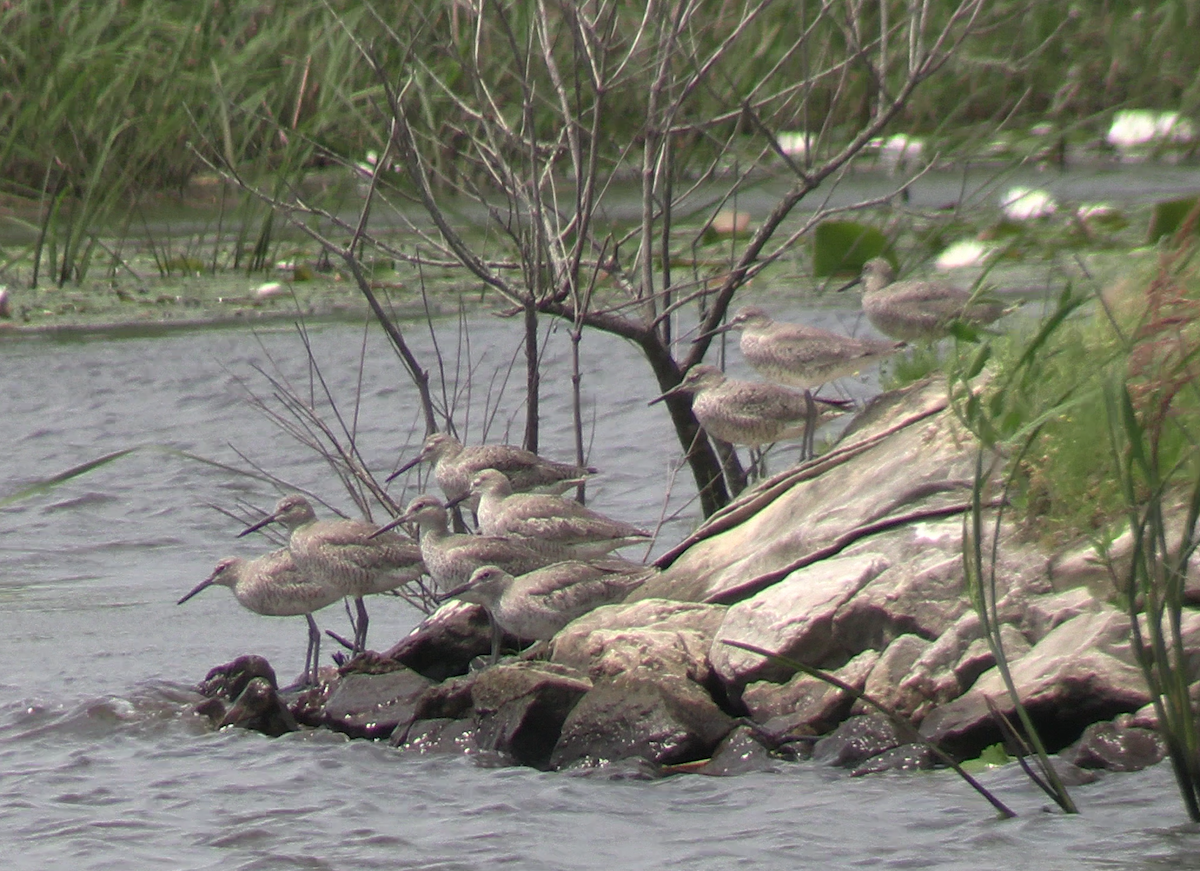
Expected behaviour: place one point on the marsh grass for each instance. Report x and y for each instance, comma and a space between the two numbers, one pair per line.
1095, 420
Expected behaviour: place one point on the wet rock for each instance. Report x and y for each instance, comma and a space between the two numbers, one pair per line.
437, 736
1071, 774
806, 705
1111, 747
884, 682
1037, 616
933, 680
868, 479
793, 618
978, 657
919, 593
653, 636
740, 752
1080, 673
259, 708
449, 699
663, 719
372, 705
906, 757
445, 642
857, 740
520, 708
229, 680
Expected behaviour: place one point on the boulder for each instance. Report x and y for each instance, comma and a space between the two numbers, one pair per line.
856, 740
806, 705
259, 708
653, 636
1114, 747
664, 719
437, 736
740, 752
445, 642
519, 708
900, 459
884, 682
793, 618
978, 657
372, 705
1080, 673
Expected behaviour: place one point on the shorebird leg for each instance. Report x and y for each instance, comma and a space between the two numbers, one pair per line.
497, 637
810, 427
360, 626
313, 655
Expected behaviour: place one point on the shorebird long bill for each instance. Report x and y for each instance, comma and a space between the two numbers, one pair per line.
255, 527
674, 391
849, 284
389, 526
715, 331
203, 585
410, 464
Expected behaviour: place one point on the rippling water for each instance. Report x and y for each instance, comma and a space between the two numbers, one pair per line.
103, 766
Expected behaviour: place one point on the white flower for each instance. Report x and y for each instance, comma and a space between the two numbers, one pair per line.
1027, 204
795, 143
965, 252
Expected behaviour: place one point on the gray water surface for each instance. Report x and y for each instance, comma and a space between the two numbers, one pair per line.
103, 766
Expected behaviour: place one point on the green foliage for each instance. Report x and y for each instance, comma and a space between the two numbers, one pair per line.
842, 247
1168, 218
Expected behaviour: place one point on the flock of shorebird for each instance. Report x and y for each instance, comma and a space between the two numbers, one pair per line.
540, 560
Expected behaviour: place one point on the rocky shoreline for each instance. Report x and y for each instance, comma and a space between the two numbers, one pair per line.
851, 563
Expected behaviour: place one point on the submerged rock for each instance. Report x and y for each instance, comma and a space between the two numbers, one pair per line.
664, 720
373, 705
1116, 748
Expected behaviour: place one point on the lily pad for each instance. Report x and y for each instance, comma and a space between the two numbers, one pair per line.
1168, 217
842, 247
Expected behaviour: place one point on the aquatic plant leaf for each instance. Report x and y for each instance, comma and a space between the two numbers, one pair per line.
842, 247
1167, 217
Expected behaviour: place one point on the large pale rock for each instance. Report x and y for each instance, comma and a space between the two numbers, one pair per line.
663, 719
924, 466
793, 618
806, 705
653, 636
978, 656
920, 592
884, 683
1080, 673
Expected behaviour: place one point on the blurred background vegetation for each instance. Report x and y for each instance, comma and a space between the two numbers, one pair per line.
102, 99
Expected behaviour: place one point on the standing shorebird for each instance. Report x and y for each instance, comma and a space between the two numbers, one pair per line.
455, 466
346, 555
273, 585
800, 355
919, 310
548, 523
537, 605
752, 413
450, 557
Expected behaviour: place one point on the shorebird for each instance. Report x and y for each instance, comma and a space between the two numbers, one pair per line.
450, 557
275, 586
558, 526
752, 413
919, 310
346, 555
800, 355
537, 605
455, 466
